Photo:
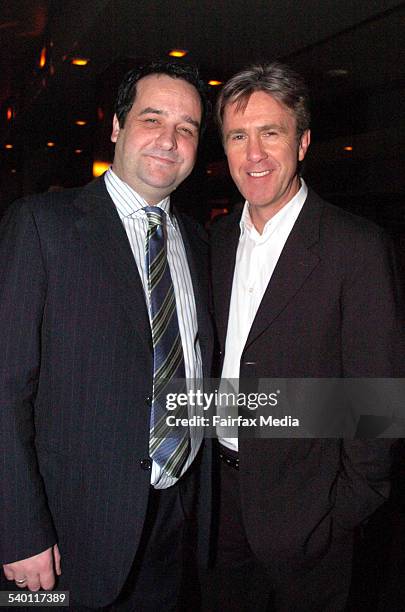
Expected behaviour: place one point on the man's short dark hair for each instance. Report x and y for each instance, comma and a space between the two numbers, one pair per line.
127, 89
278, 80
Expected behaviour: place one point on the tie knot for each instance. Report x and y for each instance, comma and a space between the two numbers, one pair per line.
155, 215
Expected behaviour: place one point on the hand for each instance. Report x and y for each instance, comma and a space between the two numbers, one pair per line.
38, 571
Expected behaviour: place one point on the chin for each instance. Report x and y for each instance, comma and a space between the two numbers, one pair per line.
162, 183
259, 201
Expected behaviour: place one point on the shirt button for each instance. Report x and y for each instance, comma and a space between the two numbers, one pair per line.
250, 289
146, 464
148, 401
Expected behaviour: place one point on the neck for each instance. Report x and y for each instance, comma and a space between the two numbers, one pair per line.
260, 216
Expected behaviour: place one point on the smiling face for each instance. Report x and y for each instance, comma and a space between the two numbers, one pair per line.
156, 149
263, 151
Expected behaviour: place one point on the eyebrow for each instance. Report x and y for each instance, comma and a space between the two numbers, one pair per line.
157, 111
261, 128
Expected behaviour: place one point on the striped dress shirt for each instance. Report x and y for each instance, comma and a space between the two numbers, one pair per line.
129, 205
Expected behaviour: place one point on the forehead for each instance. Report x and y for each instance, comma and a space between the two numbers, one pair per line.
259, 107
165, 89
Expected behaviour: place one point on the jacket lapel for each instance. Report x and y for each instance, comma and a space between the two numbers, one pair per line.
296, 263
101, 228
200, 281
224, 255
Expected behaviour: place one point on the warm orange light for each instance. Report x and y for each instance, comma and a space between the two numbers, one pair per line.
50, 144
178, 53
348, 148
214, 83
99, 167
80, 61
215, 212
8, 146
42, 58
80, 122
9, 113
78, 151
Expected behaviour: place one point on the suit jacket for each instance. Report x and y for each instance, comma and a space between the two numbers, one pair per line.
331, 309
76, 383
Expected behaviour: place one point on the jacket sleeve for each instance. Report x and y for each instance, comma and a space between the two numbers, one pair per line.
26, 526
372, 347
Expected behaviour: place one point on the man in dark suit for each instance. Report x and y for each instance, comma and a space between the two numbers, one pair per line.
88, 493
301, 289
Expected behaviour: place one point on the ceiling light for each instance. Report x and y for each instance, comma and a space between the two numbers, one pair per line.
80, 122
214, 83
9, 113
50, 144
79, 61
178, 53
348, 148
78, 151
8, 146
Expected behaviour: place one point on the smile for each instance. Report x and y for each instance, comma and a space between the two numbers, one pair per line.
163, 160
259, 174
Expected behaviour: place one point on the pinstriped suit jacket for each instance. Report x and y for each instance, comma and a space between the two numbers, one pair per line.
76, 369
333, 308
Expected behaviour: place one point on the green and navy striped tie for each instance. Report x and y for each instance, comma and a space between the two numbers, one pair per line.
167, 446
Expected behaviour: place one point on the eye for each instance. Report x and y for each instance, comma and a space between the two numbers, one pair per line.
187, 131
151, 120
270, 133
237, 137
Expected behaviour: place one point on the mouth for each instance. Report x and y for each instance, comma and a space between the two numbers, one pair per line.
260, 174
163, 160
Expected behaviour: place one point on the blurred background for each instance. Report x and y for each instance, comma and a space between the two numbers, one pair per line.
61, 62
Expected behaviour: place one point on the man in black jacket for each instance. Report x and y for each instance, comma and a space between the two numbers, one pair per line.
88, 492
301, 289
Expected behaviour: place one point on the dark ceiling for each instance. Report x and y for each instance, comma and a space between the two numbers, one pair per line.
349, 51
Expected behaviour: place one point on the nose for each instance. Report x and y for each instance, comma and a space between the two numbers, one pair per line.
255, 151
166, 139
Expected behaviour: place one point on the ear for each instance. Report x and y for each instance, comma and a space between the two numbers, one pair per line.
115, 129
304, 144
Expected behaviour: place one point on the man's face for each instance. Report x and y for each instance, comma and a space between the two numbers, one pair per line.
263, 151
156, 149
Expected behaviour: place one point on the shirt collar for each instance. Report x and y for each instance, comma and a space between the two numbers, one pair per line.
128, 202
246, 223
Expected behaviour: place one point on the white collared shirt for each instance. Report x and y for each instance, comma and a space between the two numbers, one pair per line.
129, 205
256, 259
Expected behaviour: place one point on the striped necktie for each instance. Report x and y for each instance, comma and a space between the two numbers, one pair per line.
168, 446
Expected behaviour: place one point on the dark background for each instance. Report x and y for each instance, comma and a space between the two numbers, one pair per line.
349, 51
